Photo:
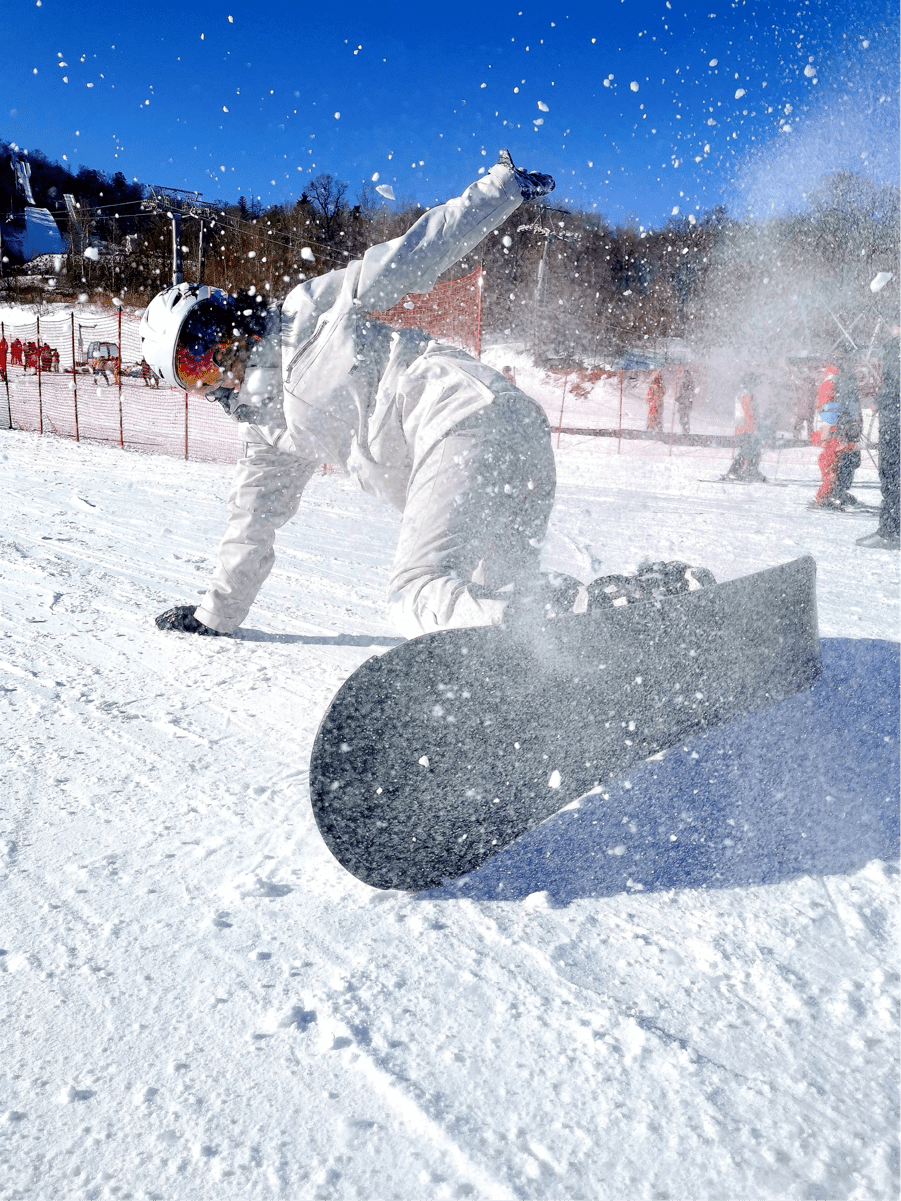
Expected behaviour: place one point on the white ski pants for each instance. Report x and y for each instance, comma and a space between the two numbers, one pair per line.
477, 507
475, 517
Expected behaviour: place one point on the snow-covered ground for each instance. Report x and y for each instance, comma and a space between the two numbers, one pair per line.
688, 992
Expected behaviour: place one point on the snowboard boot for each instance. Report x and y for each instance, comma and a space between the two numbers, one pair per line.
182, 619
652, 581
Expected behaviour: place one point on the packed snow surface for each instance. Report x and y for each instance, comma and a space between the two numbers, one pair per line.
199, 1003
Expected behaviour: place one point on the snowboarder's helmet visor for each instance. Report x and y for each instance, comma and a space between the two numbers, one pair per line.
208, 328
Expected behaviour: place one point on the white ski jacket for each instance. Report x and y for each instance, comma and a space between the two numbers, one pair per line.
330, 384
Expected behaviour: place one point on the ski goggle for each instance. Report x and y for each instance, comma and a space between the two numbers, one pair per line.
204, 346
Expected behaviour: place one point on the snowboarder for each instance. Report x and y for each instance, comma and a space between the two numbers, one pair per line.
655, 403
748, 443
887, 537
460, 450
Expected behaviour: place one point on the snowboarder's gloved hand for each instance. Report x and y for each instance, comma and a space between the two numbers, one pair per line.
552, 594
530, 183
182, 618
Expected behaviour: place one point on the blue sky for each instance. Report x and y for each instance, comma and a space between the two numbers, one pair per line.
635, 108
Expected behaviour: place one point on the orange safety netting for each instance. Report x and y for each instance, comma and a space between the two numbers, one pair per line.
451, 312
84, 377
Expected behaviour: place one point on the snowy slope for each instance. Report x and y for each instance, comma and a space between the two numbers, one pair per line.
689, 990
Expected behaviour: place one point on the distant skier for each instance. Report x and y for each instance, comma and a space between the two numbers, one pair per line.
464, 454
839, 429
888, 399
685, 398
748, 442
150, 380
654, 398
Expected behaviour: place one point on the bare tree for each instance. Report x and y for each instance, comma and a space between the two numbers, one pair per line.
327, 195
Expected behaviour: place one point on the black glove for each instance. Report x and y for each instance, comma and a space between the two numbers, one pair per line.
531, 183
182, 618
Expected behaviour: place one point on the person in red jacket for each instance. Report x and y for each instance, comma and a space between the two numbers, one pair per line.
655, 403
839, 428
15, 353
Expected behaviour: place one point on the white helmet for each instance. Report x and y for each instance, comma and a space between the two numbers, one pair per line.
164, 319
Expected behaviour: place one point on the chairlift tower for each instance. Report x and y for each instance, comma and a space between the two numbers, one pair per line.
546, 231
177, 203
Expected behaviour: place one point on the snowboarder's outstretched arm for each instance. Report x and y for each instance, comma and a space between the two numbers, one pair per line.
265, 494
444, 234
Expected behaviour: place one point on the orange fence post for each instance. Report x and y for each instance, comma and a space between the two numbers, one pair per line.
119, 381
480, 284
9, 411
74, 378
37, 368
186, 425
562, 401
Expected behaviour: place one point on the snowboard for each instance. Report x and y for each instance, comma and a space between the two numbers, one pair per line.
846, 510
728, 479
434, 756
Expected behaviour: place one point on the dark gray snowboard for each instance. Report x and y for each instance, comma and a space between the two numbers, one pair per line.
437, 754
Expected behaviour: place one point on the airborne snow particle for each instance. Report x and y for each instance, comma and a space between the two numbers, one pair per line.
506, 240
224, 109
555, 779
307, 255
231, 20
634, 86
739, 93
810, 71
386, 190
337, 116
375, 176
714, 61
544, 108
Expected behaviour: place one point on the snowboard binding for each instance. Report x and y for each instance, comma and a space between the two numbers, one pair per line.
651, 582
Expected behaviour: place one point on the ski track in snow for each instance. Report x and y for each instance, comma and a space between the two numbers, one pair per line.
199, 1003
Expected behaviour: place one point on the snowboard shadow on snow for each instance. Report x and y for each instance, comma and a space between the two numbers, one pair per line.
809, 786
251, 635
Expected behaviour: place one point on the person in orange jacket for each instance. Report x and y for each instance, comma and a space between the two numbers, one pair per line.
655, 403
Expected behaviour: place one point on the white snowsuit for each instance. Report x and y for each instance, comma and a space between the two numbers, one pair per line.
456, 447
